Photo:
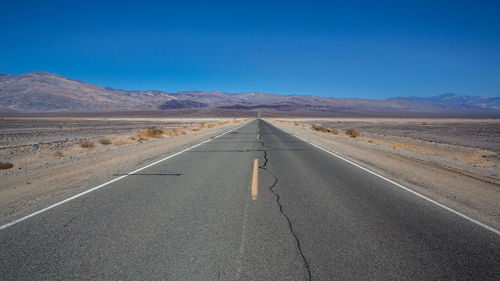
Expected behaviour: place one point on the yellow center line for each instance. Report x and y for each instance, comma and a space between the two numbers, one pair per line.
255, 179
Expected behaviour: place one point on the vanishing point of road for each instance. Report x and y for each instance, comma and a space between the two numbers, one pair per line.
253, 204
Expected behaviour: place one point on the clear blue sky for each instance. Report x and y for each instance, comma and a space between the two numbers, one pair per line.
366, 49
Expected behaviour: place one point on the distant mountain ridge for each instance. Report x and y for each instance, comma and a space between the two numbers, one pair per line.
49, 92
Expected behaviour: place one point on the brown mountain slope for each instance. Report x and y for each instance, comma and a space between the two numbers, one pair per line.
43, 91
47, 92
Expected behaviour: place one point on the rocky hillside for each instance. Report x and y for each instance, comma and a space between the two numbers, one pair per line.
48, 92
42, 91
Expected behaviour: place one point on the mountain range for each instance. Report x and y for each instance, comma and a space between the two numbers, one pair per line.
49, 92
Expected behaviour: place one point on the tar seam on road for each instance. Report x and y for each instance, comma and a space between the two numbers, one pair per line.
290, 226
112, 181
492, 229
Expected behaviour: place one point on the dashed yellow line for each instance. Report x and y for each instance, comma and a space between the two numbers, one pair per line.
255, 179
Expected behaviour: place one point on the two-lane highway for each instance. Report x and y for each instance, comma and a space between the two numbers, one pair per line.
193, 217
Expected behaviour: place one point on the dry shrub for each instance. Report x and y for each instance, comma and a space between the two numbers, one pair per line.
6, 165
176, 132
325, 130
320, 129
424, 123
199, 128
58, 154
86, 144
105, 141
296, 123
153, 132
334, 131
60, 126
353, 133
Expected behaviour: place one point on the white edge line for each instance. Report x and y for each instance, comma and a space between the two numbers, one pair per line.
113, 180
494, 230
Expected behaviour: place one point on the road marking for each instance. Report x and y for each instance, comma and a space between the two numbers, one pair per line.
255, 179
113, 180
494, 230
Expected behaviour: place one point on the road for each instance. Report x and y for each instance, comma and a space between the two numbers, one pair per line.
192, 217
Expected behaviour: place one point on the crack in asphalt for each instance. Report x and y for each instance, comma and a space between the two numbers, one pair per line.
283, 213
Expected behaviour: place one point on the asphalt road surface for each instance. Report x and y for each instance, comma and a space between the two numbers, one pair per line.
315, 217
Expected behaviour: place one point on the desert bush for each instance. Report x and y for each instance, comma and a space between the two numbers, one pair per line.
199, 128
6, 165
141, 138
153, 132
296, 123
86, 144
320, 129
424, 123
325, 130
105, 141
353, 133
60, 126
175, 132
58, 154
334, 131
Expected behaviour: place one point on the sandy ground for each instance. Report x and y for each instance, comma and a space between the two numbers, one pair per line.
454, 161
49, 162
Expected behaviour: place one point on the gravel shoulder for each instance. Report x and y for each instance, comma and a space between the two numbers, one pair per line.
464, 177
46, 171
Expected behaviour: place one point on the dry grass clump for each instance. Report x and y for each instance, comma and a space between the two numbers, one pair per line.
6, 165
199, 128
175, 132
424, 123
334, 131
353, 133
58, 154
153, 132
320, 129
86, 144
295, 123
325, 130
105, 141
